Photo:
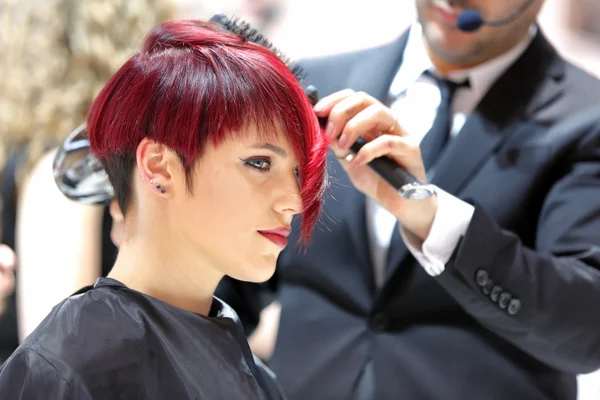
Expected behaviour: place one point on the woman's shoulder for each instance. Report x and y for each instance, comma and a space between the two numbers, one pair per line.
85, 314
84, 341
90, 328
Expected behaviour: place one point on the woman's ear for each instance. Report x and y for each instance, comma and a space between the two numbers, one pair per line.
155, 165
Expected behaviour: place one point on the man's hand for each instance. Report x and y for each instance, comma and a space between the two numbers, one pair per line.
350, 115
262, 340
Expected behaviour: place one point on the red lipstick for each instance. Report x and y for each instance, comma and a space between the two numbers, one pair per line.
277, 235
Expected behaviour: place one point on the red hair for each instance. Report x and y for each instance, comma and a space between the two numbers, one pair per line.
192, 82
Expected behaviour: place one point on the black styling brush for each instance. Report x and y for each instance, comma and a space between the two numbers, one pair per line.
407, 185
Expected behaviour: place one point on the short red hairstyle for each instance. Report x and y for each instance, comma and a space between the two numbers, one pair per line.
193, 81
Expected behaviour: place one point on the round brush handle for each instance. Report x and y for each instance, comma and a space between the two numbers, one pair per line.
405, 183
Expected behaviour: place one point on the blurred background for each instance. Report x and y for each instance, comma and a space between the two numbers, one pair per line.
308, 28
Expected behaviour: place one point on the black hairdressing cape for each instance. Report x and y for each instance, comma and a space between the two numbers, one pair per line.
111, 342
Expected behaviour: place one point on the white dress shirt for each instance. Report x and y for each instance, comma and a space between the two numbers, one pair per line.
415, 100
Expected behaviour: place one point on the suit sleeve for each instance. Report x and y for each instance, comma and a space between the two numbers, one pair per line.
26, 375
545, 299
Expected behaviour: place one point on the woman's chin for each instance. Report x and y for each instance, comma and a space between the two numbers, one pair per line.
258, 272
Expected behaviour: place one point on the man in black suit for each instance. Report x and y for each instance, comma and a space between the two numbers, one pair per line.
487, 290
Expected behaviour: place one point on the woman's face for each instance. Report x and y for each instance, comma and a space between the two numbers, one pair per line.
245, 193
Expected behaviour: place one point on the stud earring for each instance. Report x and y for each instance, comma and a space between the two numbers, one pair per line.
151, 181
163, 190
158, 186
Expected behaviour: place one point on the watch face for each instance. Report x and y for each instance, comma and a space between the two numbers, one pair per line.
78, 173
416, 191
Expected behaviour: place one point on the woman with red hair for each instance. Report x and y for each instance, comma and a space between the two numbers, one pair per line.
211, 147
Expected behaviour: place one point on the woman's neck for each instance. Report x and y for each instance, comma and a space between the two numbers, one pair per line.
154, 265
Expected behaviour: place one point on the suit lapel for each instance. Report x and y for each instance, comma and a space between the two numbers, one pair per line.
374, 75
518, 95
521, 93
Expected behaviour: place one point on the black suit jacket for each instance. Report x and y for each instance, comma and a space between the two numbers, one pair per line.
514, 314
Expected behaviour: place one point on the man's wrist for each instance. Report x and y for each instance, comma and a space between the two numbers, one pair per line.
419, 218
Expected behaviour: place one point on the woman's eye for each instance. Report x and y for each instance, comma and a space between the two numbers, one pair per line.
297, 172
261, 164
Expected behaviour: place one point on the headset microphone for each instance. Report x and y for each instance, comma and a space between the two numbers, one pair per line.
471, 20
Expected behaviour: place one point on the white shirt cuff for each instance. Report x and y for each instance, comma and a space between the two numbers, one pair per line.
450, 223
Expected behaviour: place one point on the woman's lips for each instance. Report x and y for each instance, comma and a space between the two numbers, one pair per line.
279, 240
277, 235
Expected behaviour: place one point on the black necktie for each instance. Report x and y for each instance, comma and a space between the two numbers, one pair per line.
435, 140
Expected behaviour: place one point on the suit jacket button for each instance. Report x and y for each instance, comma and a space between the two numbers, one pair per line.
380, 321
495, 294
514, 306
487, 288
482, 277
504, 299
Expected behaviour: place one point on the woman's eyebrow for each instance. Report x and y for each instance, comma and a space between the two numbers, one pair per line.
273, 148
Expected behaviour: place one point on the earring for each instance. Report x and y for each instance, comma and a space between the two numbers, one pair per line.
151, 181
163, 190
158, 186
